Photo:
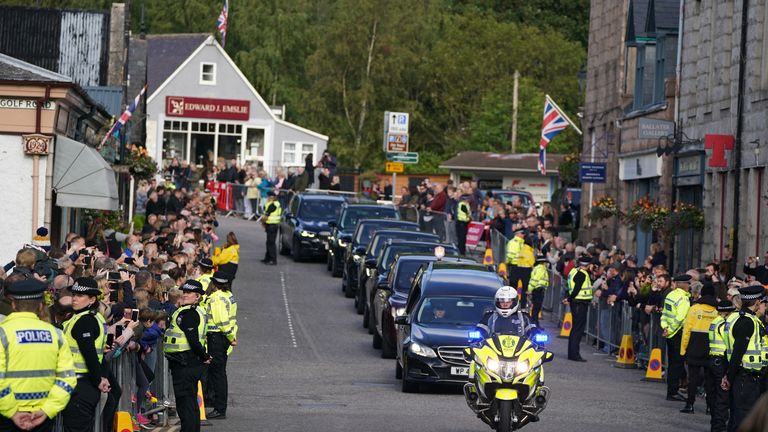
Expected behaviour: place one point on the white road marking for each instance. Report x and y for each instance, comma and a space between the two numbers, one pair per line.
288, 310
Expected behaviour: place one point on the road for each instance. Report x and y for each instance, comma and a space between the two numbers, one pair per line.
304, 362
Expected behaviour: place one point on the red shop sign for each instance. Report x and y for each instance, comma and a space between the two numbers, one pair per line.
228, 109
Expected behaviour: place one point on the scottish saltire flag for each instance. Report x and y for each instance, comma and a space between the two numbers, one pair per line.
554, 123
124, 117
221, 23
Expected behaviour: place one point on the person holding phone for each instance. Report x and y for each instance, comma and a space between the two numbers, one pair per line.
184, 346
221, 309
86, 335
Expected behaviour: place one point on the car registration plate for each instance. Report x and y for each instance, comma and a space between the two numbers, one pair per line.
460, 370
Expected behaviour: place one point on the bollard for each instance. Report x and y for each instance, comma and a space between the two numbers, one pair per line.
653, 373
123, 422
503, 271
626, 359
488, 257
565, 331
201, 400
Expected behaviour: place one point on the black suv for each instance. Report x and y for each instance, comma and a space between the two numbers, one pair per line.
344, 226
304, 225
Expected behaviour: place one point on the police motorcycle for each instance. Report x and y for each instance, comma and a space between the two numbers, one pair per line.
506, 378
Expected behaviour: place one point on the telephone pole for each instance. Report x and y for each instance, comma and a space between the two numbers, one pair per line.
514, 110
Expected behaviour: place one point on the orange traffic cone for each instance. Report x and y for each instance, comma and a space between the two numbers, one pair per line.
201, 400
653, 373
123, 422
503, 271
565, 331
488, 257
519, 288
626, 357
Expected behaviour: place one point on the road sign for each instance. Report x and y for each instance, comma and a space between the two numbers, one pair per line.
405, 157
397, 123
395, 167
592, 172
397, 143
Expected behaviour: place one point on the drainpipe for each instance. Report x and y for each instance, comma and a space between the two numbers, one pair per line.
36, 159
739, 132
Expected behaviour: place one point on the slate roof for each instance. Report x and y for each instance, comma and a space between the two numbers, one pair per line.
486, 161
12, 69
165, 53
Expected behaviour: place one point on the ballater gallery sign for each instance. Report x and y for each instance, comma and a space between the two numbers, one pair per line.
227, 109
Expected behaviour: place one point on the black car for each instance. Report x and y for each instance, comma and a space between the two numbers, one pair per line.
391, 295
446, 301
365, 231
372, 255
380, 269
304, 225
344, 226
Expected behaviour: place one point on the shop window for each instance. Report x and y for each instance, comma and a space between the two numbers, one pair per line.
208, 73
289, 154
230, 129
174, 146
295, 153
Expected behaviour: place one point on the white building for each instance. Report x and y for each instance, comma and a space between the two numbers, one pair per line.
202, 109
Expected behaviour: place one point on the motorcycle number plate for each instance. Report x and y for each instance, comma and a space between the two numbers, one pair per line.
460, 370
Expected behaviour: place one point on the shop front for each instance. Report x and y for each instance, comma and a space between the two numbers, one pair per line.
640, 174
688, 184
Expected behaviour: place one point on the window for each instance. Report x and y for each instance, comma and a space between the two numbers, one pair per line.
294, 153
208, 73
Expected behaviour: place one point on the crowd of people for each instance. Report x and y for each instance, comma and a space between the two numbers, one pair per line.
161, 288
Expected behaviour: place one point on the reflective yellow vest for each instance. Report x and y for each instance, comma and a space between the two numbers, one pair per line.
753, 357
221, 311
463, 213
99, 341
274, 217
539, 278
205, 279
585, 291
36, 368
676, 306
716, 340
513, 249
175, 340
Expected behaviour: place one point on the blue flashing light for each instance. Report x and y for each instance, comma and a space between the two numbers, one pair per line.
541, 338
475, 335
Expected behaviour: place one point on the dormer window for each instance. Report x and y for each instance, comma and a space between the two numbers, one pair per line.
208, 73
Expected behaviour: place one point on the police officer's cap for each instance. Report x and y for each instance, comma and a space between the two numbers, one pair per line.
585, 260
28, 289
682, 278
192, 285
205, 263
221, 277
86, 286
725, 306
752, 292
520, 231
541, 259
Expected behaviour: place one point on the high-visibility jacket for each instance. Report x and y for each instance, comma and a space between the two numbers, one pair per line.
229, 254
274, 217
716, 339
175, 340
463, 212
676, 306
513, 249
36, 367
695, 341
99, 341
221, 311
585, 290
729, 321
539, 278
205, 279
753, 356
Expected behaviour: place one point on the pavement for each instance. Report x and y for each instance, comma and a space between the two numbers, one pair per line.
305, 361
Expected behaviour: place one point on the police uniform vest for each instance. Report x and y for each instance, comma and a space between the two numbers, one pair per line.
569, 280
220, 312
175, 340
676, 306
585, 292
99, 341
38, 366
463, 213
716, 339
205, 279
539, 278
753, 356
274, 217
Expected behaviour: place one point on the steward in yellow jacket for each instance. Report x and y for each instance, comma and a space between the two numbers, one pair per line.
695, 344
520, 260
676, 305
221, 336
228, 257
537, 286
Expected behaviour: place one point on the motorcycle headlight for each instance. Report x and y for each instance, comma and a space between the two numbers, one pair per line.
522, 367
422, 351
307, 234
398, 312
357, 257
493, 365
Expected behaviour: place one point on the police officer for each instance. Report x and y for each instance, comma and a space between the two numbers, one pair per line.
184, 346
744, 333
86, 335
206, 272
537, 285
221, 336
717, 367
579, 296
695, 345
271, 219
508, 318
676, 305
38, 375
520, 261
463, 217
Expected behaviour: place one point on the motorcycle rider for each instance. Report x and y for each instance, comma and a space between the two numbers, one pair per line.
508, 318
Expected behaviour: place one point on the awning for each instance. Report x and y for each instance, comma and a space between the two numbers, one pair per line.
82, 178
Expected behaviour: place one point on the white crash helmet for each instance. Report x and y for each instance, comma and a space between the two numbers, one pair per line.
506, 294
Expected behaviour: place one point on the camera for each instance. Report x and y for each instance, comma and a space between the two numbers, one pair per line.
113, 276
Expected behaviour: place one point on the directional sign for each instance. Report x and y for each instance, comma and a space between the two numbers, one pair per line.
592, 172
397, 123
395, 167
397, 143
405, 157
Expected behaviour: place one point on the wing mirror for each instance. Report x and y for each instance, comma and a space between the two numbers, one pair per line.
548, 357
401, 320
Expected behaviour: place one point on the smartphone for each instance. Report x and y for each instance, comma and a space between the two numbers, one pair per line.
130, 260
110, 340
88, 260
118, 331
113, 276
134, 315
113, 296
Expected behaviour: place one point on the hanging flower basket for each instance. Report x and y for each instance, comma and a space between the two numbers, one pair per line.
603, 208
644, 213
140, 163
686, 216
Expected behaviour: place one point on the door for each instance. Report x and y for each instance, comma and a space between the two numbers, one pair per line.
645, 188
689, 240
201, 151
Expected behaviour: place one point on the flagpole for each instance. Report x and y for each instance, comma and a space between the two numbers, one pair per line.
563, 114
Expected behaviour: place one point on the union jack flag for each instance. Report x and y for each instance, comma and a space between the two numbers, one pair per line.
124, 117
221, 23
554, 123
